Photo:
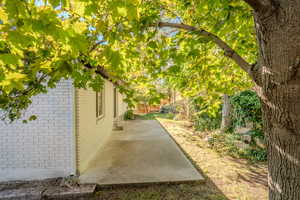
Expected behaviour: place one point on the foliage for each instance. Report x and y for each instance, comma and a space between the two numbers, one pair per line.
129, 115
257, 133
170, 108
224, 143
147, 92
205, 122
205, 115
246, 108
255, 154
43, 42
197, 67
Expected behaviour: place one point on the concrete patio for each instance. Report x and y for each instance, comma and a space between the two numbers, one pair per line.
142, 153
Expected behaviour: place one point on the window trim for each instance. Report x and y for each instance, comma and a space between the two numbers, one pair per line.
98, 115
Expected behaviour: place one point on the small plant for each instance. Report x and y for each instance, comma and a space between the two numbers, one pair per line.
257, 133
258, 154
168, 109
224, 143
129, 115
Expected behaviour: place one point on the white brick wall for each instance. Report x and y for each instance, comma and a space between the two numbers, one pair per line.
42, 148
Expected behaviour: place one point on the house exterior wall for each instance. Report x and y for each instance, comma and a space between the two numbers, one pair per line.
43, 148
91, 132
123, 107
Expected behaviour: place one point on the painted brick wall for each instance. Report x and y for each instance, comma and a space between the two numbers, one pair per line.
42, 148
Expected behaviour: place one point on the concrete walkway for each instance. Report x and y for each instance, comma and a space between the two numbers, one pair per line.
142, 153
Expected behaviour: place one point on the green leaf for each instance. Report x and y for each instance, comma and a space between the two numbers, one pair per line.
32, 117
54, 3
122, 11
9, 59
152, 45
3, 100
20, 39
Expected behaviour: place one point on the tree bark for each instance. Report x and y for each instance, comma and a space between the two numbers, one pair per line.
226, 111
278, 34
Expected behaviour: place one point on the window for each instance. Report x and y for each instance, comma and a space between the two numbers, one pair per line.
100, 104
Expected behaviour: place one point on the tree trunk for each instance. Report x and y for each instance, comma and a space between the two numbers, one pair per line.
278, 33
188, 110
170, 93
174, 97
226, 111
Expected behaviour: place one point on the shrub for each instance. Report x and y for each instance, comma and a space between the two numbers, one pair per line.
128, 115
255, 154
206, 122
205, 116
246, 108
224, 143
168, 109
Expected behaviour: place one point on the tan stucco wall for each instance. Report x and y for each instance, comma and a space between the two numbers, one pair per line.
122, 105
91, 132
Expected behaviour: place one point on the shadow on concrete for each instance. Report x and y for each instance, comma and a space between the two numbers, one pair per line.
142, 153
202, 190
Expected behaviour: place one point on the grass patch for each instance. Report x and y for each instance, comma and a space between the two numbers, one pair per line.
152, 116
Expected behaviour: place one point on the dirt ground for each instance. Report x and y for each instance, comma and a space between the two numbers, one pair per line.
226, 177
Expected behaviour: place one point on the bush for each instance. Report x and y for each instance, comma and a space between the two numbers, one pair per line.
255, 154
224, 143
205, 116
246, 108
206, 122
128, 115
168, 109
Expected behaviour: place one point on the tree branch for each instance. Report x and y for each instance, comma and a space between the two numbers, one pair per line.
262, 5
255, 4
96, 45
104, 73
229, 52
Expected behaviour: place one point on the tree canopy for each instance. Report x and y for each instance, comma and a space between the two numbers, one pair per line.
186, 43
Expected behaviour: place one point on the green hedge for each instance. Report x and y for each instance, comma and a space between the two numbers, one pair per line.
246, 108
